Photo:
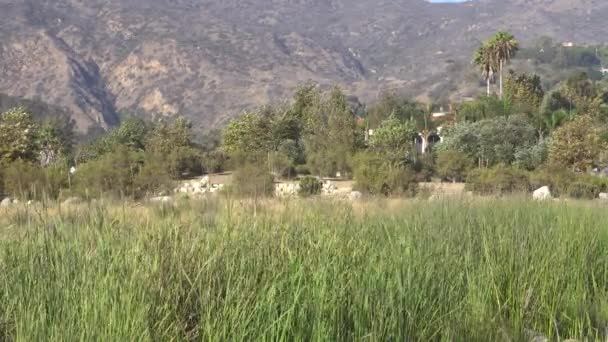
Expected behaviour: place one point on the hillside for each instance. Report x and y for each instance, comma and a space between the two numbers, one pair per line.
210, 59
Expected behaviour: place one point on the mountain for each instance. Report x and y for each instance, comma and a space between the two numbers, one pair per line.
210, 59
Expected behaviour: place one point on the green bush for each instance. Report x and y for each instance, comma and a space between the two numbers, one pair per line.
30, 181
112, 174
152, 179
302, 170
252, 180
184, 162
214, 162
375, 176
453, 165
558, 179
587, 187
498, 180
310, 186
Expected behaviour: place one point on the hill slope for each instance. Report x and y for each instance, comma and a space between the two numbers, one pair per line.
209, 59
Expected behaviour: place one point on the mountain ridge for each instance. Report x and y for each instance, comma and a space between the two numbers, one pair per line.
210, 59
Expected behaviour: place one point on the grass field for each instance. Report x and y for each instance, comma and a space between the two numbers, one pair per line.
219, 270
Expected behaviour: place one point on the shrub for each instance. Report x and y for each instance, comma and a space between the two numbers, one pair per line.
453, 165
289, 172
152, 178
310, 186
302, 170
498, 180
112, 174
587, 187
375, 176
531, 157
32, 182
214, 162
184, 162
557, 178
253, 181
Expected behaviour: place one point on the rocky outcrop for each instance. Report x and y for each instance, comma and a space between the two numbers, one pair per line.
199, 187
542, 194
6, 203
209, 60
286, 190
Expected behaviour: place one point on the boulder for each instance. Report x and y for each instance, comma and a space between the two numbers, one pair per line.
355, 195
542, 194
6, 203
604, 196
328, 188
161, 199
286, 189
72, 201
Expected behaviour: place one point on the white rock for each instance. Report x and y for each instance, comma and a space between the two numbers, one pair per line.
16, 201
542, 194
6, 203
72, 201
161, 199
355, 195
604, 196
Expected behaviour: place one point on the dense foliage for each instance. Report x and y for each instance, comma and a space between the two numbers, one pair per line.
526, 127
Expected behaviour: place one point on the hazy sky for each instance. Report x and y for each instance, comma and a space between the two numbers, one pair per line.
444, 1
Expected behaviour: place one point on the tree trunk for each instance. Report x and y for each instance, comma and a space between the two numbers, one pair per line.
488, 85
501, 67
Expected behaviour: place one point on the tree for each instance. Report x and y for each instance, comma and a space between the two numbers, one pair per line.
586, 96
247, 134
485, 107
18, 136
173, 144
524, 91
490, 141
504, 46
393, 140
166, 137
577, 144
390, 104
331, 141
484, 58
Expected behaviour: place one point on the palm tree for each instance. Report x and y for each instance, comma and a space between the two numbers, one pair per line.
504, 46
484, 57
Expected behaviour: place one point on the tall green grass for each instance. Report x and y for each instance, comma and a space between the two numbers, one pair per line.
305, 270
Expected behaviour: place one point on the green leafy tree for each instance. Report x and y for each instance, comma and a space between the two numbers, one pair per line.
524, 91
390, 104
247, 134
485, 107
18, 136
332, 139
165, 137
393, 140
577, 145
490, 141
586, 96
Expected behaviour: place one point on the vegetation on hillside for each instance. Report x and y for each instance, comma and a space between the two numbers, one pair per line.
387, 147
